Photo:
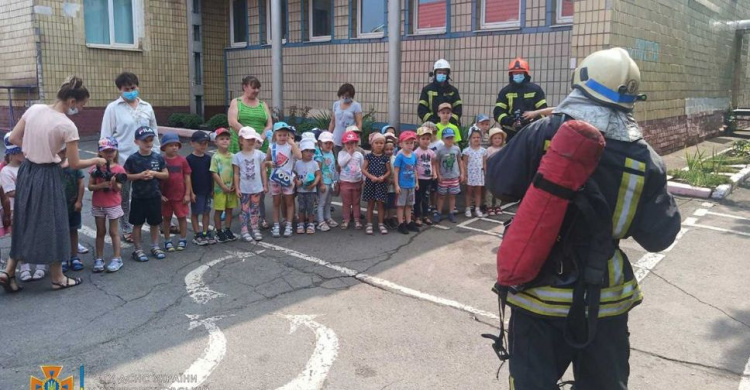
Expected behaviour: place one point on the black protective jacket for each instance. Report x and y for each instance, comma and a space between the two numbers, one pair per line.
433, 95
515, 99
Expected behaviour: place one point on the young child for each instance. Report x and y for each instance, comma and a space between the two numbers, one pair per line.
350, 162
377, 169
250, 182
202, 191
74, 189
145, 169
390, 206
445, 110
282, 154
225, 196
176, 191
450, 175
390, 133
327, 163
106, 204
482, 124
497, 140
405, 171
426, 174
475, 161
307, 173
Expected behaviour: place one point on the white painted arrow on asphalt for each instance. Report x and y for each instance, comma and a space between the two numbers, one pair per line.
197, 289
320, 363
214, 353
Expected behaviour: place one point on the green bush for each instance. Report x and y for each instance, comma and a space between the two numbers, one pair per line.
217, 121
177, 119
192, 121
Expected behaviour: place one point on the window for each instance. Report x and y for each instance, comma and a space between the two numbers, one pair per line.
238, 23
370, 18
430, 16
284, 27
320, 20
198, 68
196, 33
500, 14
564, 12
197, 7
110, 23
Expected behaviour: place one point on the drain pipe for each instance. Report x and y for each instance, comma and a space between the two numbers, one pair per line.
394, 63
277, 67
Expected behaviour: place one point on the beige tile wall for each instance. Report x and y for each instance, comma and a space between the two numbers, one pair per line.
17, 46
161, 65
215, 38
313, 74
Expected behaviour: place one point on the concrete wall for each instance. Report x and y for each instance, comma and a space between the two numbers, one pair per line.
313, 72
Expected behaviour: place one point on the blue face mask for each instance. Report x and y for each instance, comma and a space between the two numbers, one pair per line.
518, 78
130, 96
348, 100
441, 77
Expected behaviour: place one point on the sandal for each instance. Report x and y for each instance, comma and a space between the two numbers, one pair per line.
427, 221
140, 255
323, 227
168, 246
8, 283
310, 228
344, 225
182, 244
490, 211
128, 237
158, 253
383, 229
358, 225
368, 228
418, 222
60, 286
75, 264
39, 274
332, 223
25, 276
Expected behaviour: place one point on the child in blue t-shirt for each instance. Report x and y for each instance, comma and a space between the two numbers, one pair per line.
406, 182
327, 161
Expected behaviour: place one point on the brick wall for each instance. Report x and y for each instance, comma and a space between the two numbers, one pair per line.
18, 50
215, 16
313, 72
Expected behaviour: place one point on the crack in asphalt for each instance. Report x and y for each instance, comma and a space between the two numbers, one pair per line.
701, 301
720, 370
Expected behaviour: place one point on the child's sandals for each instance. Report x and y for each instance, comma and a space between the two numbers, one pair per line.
75, 264
323, 227
310, 228
158, 253
168, 246
427, 221
25, 276
300, 228
383, 229
332, 223
140, 256
344, 225
357, 225
490, 211
39, 274
368, 228
182, 244
418, 222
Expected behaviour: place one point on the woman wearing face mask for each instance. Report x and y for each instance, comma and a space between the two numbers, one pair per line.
121, 119
346, 112
437, 92
521, 101
40, 216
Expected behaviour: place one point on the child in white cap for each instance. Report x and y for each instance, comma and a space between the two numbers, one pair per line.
307, 178
250, 182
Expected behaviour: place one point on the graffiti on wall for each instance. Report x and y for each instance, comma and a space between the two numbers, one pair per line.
644, 50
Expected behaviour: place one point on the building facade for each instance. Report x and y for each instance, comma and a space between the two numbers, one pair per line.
192, 54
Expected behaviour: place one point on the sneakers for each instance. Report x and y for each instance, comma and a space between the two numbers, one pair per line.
452, 217
210, 239
257, 236
115, 265
275, 231
300, 228
230, 235
310, 228
468, 212
182, 244
199, 240
168, 246
221, 237
479, 213
288, 230
403, 229
436, 217
412, 227
98, 266
332, 223
323, 227
247, 237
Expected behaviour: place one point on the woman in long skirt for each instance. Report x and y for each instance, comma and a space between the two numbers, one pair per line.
40, 220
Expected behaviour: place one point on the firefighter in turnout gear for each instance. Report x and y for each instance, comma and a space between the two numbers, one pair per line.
518, 102
570, 313
437, 92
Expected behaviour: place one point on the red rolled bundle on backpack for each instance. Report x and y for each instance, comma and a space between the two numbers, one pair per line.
572, 157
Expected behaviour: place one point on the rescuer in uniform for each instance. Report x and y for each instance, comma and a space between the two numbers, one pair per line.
437, 92
521, 101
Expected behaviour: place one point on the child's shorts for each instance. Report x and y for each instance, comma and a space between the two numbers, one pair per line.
223, 200
202, 204
74, 220
107, 212
449, 187
405, 198
176, 207
145, 210
306, 202
391, 203
278, 189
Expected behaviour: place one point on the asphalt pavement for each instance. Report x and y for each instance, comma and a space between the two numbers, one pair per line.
343, 310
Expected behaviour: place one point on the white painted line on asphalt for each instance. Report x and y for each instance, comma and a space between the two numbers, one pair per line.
727, 215
745, 381
700, 212
380, 282
211, 357
489, 233
647, 262
491, 220
707, 204
692, 222
440, 226
88, 152
326, 349
194, 282
468, 221
91, 233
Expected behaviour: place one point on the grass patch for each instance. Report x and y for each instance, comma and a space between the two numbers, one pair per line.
699, 178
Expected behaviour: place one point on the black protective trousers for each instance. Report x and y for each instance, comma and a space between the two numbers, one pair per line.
539, 355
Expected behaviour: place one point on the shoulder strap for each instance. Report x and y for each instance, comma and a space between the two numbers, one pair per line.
273, 153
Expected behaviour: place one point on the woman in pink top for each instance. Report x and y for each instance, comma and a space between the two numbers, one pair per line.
40, 211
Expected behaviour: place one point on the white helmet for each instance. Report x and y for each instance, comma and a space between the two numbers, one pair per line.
609, 77
441, 64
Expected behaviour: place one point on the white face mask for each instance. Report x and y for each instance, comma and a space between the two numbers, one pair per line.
72, 111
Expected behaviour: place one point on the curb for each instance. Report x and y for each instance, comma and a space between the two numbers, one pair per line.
676, 188
724, 190
185, 133
720, 192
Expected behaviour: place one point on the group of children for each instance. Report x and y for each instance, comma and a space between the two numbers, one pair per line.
412, 171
